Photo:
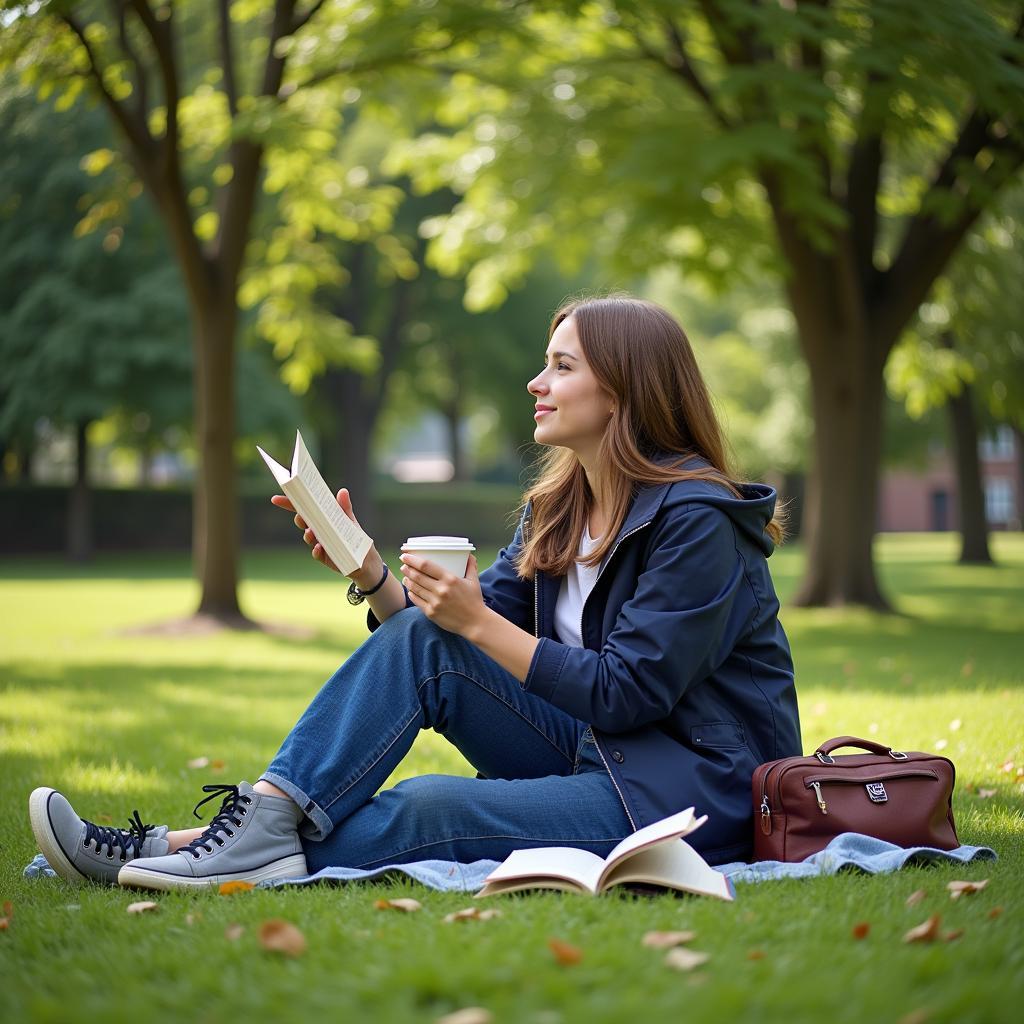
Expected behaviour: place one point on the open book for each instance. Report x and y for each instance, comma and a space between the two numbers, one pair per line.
652, 856
344, 542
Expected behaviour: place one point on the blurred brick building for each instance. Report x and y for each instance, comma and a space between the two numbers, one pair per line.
926, 499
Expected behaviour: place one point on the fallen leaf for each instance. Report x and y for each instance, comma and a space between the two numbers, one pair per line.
8, 908
756, 954
681, 959
565, 954
230, 888
5, 923
217, 766
472, 914
104, 819
142, 907
994, 913
915, 897
914, 1017
925, 932
1006, 766
665, 940
282, 937
407, 906
198, 762
470, 1015
955, 724
193, 917
952, 934
860, 930
984, 794
941, 744
234, 932
958, 889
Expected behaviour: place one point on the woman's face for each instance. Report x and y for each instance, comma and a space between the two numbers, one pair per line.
579, 409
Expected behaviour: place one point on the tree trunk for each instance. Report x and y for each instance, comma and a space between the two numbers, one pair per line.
1018, 438
970, 489
79, 521
214, 508
346, 455
840, 512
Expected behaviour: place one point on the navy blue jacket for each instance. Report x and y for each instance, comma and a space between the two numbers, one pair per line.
685, 675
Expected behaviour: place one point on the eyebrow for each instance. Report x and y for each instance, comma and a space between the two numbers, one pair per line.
568, 355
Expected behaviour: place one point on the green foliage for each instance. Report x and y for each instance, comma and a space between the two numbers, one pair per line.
974, 307
92, 322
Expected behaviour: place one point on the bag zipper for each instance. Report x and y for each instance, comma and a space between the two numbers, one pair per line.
814, 782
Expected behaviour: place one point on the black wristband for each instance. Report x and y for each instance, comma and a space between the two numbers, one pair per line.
357, 596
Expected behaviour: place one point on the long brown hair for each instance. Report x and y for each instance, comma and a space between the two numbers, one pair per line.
643, 359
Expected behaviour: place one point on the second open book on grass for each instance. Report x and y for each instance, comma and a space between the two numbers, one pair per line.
345, 543
656, 855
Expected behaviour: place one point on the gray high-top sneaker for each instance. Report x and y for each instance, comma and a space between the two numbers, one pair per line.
79, 850
252, 837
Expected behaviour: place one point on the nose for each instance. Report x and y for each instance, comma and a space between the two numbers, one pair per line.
536, 386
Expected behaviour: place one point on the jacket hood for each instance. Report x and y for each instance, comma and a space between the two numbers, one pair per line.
750, 513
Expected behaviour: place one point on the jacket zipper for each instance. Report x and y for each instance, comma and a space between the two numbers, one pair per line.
611, 775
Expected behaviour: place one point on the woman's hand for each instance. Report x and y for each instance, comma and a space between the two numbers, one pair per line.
454, 604
372, 562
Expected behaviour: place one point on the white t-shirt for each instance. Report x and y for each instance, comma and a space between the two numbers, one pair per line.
576, 585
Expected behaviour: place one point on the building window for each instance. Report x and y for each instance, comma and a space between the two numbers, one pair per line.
999, 504
998, 445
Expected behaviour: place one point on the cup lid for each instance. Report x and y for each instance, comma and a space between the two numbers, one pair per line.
455, 543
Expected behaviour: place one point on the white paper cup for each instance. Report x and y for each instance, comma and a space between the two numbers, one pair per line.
451, 553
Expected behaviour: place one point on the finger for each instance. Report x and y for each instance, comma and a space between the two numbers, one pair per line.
300, 522
282, 502
309, 537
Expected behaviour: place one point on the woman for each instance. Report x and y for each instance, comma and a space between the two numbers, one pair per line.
620, 661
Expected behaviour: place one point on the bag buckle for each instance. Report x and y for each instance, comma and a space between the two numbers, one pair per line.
898, 755
824, 758
876, 791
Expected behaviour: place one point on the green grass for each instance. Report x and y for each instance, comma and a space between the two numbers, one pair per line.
113, 719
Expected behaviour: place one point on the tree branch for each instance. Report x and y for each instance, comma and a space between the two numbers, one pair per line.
929, 242
227, 62
302, 19
238, 198
119, 10
677, 61
136, 133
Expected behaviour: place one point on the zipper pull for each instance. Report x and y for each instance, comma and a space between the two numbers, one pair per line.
821, 800
766, 817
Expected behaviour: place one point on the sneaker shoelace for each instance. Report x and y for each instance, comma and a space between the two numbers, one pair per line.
129, 840
231, 811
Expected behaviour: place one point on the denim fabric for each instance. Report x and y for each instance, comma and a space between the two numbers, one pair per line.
544, 784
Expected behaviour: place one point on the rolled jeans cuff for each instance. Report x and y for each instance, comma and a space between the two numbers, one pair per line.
316, 825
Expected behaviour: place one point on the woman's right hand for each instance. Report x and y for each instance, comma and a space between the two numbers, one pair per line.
371, 564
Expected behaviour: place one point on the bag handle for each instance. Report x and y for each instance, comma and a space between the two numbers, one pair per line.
826, 748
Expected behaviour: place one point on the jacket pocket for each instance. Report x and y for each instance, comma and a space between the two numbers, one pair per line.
720, 735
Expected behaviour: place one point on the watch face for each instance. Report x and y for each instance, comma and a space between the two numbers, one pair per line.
355, 595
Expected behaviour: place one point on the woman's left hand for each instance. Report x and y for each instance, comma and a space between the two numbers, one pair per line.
454, 604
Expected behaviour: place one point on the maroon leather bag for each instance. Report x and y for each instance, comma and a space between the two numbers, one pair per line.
802, 803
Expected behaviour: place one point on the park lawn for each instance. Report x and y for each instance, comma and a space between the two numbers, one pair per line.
113, 719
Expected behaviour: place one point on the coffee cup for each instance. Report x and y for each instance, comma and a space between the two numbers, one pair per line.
450, 553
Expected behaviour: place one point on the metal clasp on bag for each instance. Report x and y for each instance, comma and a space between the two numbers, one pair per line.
898, 755
876, 791
824, 758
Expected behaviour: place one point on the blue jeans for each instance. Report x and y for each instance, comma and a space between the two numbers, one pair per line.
544, 782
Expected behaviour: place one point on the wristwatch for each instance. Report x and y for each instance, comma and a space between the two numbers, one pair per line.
357, 596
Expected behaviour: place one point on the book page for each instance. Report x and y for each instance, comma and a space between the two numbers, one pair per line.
538, 867
673, 864
672, 827
281, 475
355, 541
